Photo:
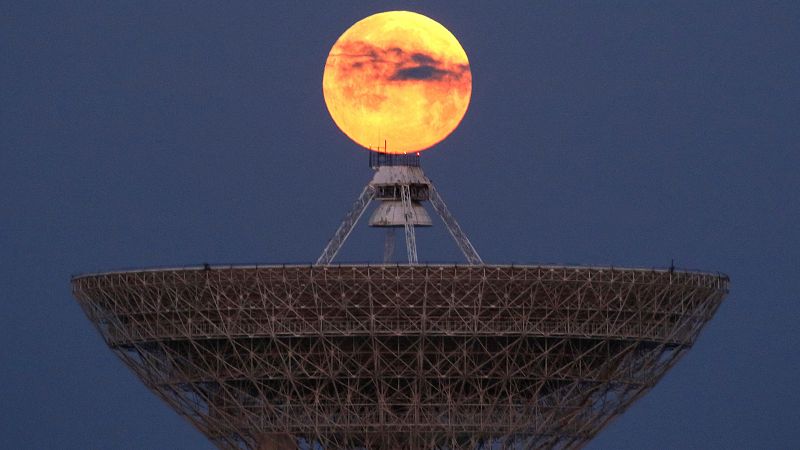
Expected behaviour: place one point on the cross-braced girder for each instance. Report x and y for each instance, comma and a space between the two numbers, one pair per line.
388, 357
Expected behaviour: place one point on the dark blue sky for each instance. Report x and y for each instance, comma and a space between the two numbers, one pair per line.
176, 133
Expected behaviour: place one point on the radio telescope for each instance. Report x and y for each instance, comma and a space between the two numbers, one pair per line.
399, 356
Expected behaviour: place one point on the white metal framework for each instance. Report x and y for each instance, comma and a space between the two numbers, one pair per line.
411, 240
401, 189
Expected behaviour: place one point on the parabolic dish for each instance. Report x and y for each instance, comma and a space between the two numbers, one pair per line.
388, 357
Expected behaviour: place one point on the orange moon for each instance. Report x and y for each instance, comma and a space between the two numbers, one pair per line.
397, 81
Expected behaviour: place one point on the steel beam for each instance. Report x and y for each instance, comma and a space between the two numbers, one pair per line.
452, 226
350, 220
411, 239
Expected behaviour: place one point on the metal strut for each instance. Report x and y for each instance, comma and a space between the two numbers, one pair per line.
349, 222
388, 245
452, 226
411, 240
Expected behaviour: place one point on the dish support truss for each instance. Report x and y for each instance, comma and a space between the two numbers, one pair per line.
400, 357
401, 189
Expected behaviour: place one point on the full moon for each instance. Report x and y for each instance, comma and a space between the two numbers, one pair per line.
397, 82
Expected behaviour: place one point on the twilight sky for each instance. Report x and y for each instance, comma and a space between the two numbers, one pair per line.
152, 133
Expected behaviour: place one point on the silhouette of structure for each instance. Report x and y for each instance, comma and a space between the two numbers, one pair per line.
391, 356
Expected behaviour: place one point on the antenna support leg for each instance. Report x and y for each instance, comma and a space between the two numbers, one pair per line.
411, 240
388, 246
350, 220
452, 226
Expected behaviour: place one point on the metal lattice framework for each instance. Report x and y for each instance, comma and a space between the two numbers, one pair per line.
400, 357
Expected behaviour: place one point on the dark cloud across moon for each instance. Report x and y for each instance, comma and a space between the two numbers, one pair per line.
421, 72
395, 64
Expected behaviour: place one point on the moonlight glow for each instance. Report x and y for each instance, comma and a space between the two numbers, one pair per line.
398, 78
